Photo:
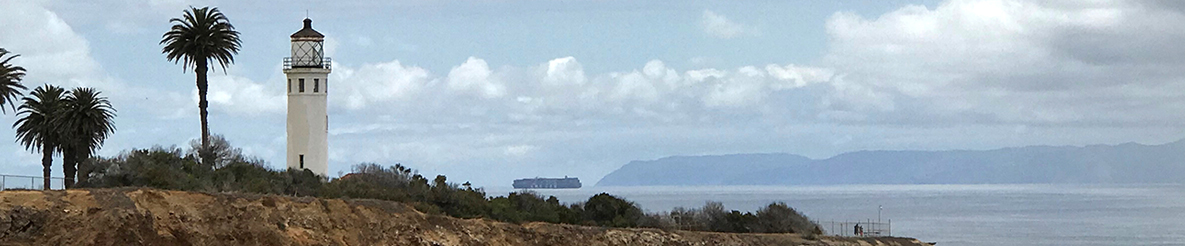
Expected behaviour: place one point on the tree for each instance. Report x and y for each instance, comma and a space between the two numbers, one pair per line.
37, 127
714, 217
201, 36
779, 218
220, 152
607, 210
87, 121
10, 81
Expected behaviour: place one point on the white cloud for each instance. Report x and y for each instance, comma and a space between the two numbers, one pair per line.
356, 88
718, 26
747, 86
239, 95
50, 49
634, 86
791, 76
520, 150
559, 90
474, 76
564, 71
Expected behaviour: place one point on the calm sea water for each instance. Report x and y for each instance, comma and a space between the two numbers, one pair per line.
953, 214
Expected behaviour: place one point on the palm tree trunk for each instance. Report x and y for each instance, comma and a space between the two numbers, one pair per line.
84, 167
46, 163
202, 86
69, 166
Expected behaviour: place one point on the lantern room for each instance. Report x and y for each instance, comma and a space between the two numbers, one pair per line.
308, 49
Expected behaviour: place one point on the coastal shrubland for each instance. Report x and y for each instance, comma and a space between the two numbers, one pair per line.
230, 171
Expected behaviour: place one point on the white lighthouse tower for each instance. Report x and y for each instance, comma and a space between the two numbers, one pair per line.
308, 84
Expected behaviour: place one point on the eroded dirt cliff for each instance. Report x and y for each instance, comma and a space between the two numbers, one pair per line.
162, 217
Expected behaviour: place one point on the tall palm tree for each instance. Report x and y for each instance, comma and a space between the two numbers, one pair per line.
10, 81
201, 36
87, 121
37, 126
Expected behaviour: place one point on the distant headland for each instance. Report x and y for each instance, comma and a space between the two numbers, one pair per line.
1123, 163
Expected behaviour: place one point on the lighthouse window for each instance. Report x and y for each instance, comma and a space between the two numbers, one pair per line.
301, 82
289, 85
316, 85
301, 161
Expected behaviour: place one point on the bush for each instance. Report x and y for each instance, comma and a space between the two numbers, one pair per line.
527, 206
779, 218
607, 210
687, 219
230, 171
159, 167
774, 218
369, 180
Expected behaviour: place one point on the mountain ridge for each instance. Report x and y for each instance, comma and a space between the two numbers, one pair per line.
1097, 163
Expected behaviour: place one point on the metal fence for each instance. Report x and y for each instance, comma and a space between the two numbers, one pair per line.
9, 182
867, 228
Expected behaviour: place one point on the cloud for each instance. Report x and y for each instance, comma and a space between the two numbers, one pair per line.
356, 88
97, 14
240, 95
50, 49
520, 150
473, 76
718, 26
564, 71
1013, 62
560, 90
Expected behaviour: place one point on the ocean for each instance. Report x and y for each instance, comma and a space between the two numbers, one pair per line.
1038, 214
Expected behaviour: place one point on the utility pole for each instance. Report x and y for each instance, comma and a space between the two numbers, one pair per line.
878, 212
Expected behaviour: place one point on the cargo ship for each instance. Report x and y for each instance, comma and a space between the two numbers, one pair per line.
547, 183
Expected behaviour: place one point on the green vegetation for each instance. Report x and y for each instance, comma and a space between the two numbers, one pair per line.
36, 128
86, 121
774, 218
74, 123
201, 36
10, 81
173, 168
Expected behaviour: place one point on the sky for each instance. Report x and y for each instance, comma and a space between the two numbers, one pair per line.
491, 91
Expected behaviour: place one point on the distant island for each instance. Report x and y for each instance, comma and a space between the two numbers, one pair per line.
547, 183
1123, 163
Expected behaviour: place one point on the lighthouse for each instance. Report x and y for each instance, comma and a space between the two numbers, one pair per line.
308, 84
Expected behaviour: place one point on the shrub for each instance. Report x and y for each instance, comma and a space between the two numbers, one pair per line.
779, 218
607, 210
171, 168
159, 167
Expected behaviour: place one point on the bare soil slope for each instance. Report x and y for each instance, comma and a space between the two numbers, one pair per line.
162, 217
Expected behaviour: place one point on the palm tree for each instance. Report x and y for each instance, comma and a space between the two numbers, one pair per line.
37, 127
87, 121
199, 37
10, 81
